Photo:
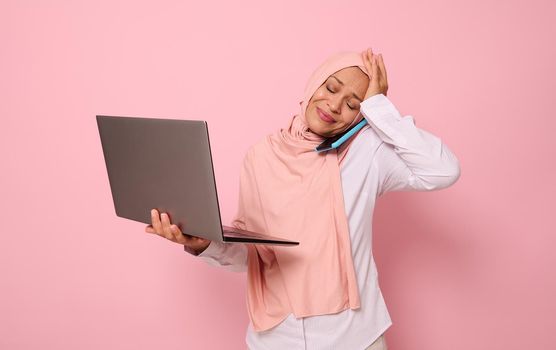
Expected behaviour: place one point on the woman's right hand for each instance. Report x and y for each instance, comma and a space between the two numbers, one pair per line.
161, 226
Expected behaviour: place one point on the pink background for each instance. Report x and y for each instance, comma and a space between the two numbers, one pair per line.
469, 267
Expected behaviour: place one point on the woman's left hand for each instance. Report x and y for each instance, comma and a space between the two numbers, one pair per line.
375, 66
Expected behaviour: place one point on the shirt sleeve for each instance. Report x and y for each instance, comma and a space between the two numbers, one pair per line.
409, 158
230, 256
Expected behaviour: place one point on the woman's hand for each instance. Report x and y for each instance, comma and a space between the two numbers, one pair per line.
162, 227
375, 66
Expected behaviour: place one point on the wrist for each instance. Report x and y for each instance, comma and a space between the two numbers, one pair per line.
195, 251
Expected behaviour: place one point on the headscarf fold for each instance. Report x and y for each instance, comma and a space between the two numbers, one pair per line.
290, 191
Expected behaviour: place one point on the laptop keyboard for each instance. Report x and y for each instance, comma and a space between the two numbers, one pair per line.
244, 233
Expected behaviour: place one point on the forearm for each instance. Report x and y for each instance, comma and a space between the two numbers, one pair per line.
413, 157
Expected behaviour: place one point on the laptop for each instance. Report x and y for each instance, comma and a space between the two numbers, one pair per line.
167, 164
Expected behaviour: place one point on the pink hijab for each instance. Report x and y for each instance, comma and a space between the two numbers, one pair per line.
288, 190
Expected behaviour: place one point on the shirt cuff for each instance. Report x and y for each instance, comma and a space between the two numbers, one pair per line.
213, 250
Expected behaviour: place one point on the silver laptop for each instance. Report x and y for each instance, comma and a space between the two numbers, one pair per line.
167, 164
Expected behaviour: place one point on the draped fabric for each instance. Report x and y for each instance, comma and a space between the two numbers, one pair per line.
288, 190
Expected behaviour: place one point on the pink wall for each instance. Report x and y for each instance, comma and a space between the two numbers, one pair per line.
469, 267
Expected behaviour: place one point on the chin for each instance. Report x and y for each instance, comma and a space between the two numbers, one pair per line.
314, 126
321, 132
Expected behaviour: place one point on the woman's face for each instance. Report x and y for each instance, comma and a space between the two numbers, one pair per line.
338, 97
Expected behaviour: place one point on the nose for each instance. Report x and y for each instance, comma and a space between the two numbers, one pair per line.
335, 103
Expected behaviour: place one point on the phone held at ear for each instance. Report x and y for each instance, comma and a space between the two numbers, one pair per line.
336, 141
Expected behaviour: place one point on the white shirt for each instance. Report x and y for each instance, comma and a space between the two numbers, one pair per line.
392, 155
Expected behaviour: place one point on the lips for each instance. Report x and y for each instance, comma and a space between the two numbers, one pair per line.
325, 116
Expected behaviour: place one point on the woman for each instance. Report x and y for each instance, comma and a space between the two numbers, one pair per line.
323, 293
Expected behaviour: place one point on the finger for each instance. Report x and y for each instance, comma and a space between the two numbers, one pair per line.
382, 67
369, 63
156, 222
368, 54
379, 70
181, 237
384, 79
149, 229
178, 235
366, 61
374, 66
166, 226
174, 232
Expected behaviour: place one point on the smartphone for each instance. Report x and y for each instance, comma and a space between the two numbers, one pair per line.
336, 141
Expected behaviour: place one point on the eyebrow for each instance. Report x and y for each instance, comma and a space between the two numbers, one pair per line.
357, 97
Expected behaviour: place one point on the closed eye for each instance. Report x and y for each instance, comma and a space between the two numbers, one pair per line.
350, 107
